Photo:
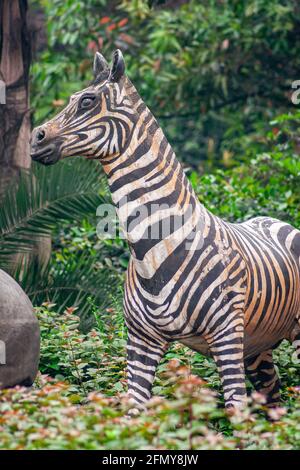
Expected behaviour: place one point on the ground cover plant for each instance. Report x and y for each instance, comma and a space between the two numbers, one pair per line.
218, 76
79, 399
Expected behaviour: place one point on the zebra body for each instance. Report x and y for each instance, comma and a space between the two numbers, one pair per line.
230, 291
190, 307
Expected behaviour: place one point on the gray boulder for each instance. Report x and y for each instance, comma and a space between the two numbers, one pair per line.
19, 335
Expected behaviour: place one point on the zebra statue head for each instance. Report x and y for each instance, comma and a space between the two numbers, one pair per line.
98, 121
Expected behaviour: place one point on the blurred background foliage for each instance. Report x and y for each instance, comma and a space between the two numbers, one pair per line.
213, 72
218, 76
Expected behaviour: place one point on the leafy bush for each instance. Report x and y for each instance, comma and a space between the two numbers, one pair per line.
90, 361
84, 407
213, 72
65, 196
219, 68
267, 184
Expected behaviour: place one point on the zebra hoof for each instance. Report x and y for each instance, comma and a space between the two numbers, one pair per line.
133, 413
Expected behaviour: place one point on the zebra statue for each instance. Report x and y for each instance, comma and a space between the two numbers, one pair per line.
230, 291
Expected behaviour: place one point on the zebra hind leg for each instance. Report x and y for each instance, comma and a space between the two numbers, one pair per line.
295, 340
261, 372
296, 344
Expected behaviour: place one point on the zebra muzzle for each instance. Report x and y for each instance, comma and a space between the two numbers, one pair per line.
47, 156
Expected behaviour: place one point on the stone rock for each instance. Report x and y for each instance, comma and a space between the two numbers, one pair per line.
19, 335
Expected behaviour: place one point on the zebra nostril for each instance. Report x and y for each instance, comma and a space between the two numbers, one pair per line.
40, 135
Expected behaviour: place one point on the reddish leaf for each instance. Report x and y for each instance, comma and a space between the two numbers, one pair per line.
111, 27
122, 22
104, 20
126, 38
92, 45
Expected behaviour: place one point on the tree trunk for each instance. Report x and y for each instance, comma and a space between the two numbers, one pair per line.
15, 122
14, 72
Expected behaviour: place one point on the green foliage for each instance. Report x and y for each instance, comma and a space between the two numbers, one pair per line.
67, 412
43, 197
269, 184
68, 194
71, 281
217, 70
213, 72
90, 361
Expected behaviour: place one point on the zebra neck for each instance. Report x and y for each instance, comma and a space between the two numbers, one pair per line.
156, 205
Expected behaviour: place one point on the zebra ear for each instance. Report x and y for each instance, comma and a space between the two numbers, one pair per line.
118, 66
100, 64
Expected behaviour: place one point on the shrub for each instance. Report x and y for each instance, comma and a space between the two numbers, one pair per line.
83, 404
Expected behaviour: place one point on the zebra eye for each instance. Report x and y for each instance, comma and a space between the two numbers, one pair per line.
87, 102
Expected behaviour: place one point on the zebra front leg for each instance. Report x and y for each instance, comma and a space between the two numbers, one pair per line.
143, 355
262, 374
226, 345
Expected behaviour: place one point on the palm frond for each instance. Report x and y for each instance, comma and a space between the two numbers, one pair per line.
71, 283
43, 197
